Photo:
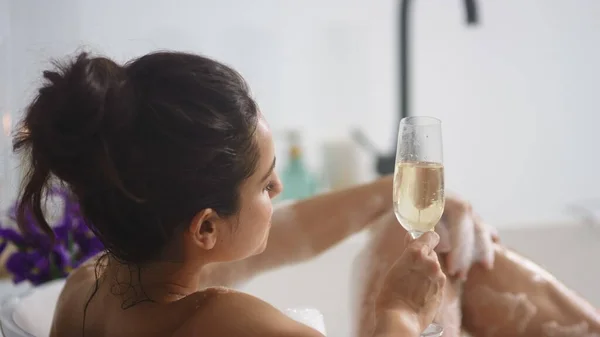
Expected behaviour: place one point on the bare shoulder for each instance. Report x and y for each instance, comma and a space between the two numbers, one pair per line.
81, 278
230, 313
76, 290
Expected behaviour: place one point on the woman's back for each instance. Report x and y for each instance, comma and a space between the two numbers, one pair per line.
213, 312
104, 313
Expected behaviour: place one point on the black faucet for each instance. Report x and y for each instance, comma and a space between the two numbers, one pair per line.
385, 163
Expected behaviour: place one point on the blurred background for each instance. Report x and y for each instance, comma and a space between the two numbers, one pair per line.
517, 93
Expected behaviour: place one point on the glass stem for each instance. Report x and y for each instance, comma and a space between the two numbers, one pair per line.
415, 234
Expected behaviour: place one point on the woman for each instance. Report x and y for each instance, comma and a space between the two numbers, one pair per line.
173, 166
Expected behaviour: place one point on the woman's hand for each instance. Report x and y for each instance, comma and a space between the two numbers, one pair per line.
464, 238
414, 284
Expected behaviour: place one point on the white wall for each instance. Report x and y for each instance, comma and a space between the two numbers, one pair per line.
518, 99
5, 80
37, 32
516, 94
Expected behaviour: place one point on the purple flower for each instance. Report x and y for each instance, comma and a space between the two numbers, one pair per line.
36, 259
11, 235
26, 265
60, 262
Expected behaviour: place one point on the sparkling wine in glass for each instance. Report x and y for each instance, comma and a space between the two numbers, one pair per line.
419, 180
419, 175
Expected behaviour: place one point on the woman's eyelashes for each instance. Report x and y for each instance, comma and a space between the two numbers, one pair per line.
270, 186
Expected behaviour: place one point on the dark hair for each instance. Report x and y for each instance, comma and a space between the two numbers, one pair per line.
143, 147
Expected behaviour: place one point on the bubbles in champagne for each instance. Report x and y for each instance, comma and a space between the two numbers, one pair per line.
419, 195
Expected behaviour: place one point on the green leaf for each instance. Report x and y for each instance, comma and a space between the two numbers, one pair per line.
70, 243
54, 270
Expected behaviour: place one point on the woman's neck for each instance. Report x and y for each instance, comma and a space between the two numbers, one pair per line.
160, 282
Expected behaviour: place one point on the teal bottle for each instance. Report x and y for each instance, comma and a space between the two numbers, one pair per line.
298, 182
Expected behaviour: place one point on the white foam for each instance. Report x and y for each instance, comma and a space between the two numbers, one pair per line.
509, 309
308, 316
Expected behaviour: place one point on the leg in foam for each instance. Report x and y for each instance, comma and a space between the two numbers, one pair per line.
511, 311
515, 298
518, 298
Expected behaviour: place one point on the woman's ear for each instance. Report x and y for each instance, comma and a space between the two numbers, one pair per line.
204, 228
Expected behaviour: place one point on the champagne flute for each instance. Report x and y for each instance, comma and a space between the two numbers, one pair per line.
419, 180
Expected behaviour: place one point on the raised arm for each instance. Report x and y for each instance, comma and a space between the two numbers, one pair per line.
307, 228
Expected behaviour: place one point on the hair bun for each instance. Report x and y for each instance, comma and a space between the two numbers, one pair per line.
81, 101
90, 94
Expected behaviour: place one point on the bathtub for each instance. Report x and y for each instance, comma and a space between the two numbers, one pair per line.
570, 252
322, 283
